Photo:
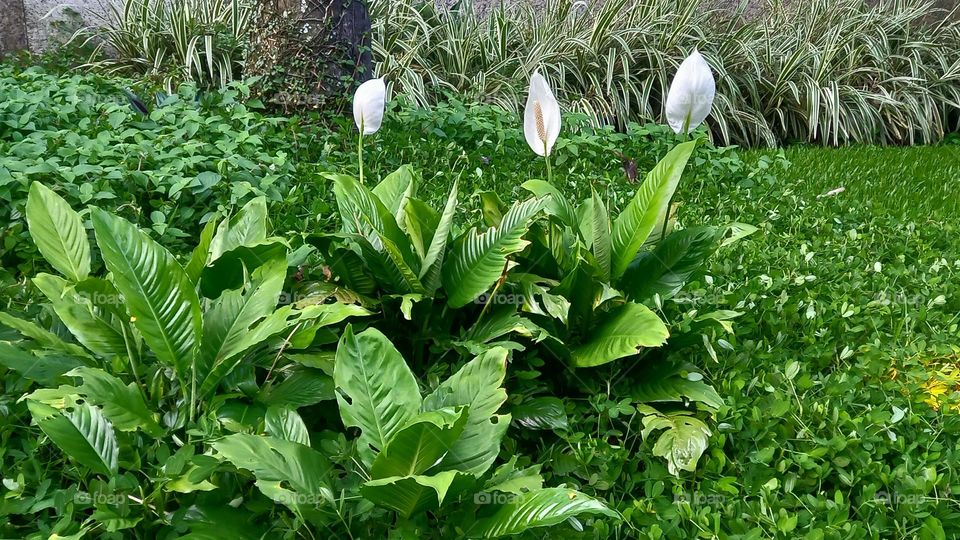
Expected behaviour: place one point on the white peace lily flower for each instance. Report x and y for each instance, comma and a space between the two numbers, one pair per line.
541, 117
691, 94
368, 104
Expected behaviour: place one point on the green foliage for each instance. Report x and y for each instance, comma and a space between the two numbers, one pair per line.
198, 41
822, 71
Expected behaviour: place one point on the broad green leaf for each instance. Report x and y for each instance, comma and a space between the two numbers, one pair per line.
246, 227
668, 267
421, 223
158, 294
662, 382
378, 392
81, 432
273, 462
200, 255
58, 232
556, 204
430, 270
479, 259
600, 235
420, 444
387, 237
409, 495
122, 404
228, 321
478, 385
683, 442
46, 370
623, 333
284, 423
232, 268
302, 388
639, 218
394, 190
540, 508
96, 329
44, 338
540, 413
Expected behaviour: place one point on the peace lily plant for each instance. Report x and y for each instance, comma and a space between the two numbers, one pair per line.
369, 102
541, 119
691, 94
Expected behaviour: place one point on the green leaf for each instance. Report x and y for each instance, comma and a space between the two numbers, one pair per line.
46, 370
409, 495
639, 218
667, 268
683, 442
421, 225
430, 270
478, 385
600, 236
44, 338
378, 392
96, 329
621, 334
662, 382
420, 444
387, 237
200, 255
275, 463
556, 204
480, 258
58, 232
394, 190
541, 508
540, 413
284, 423
228, 322
157, 291
122, 404
80, 431
247, 227
302, 388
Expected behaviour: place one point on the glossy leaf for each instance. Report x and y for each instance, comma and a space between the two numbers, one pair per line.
478, 259
96, 329
478, 386
58, 232
623, 333
420, 444
122, 404
541, 508
378, 392
82, 432
638, 219
158, 294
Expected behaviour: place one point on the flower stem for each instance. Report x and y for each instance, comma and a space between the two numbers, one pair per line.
360, 154
546, 156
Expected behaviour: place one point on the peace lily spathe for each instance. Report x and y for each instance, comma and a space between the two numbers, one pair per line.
368, 104
541, 117
691, 94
